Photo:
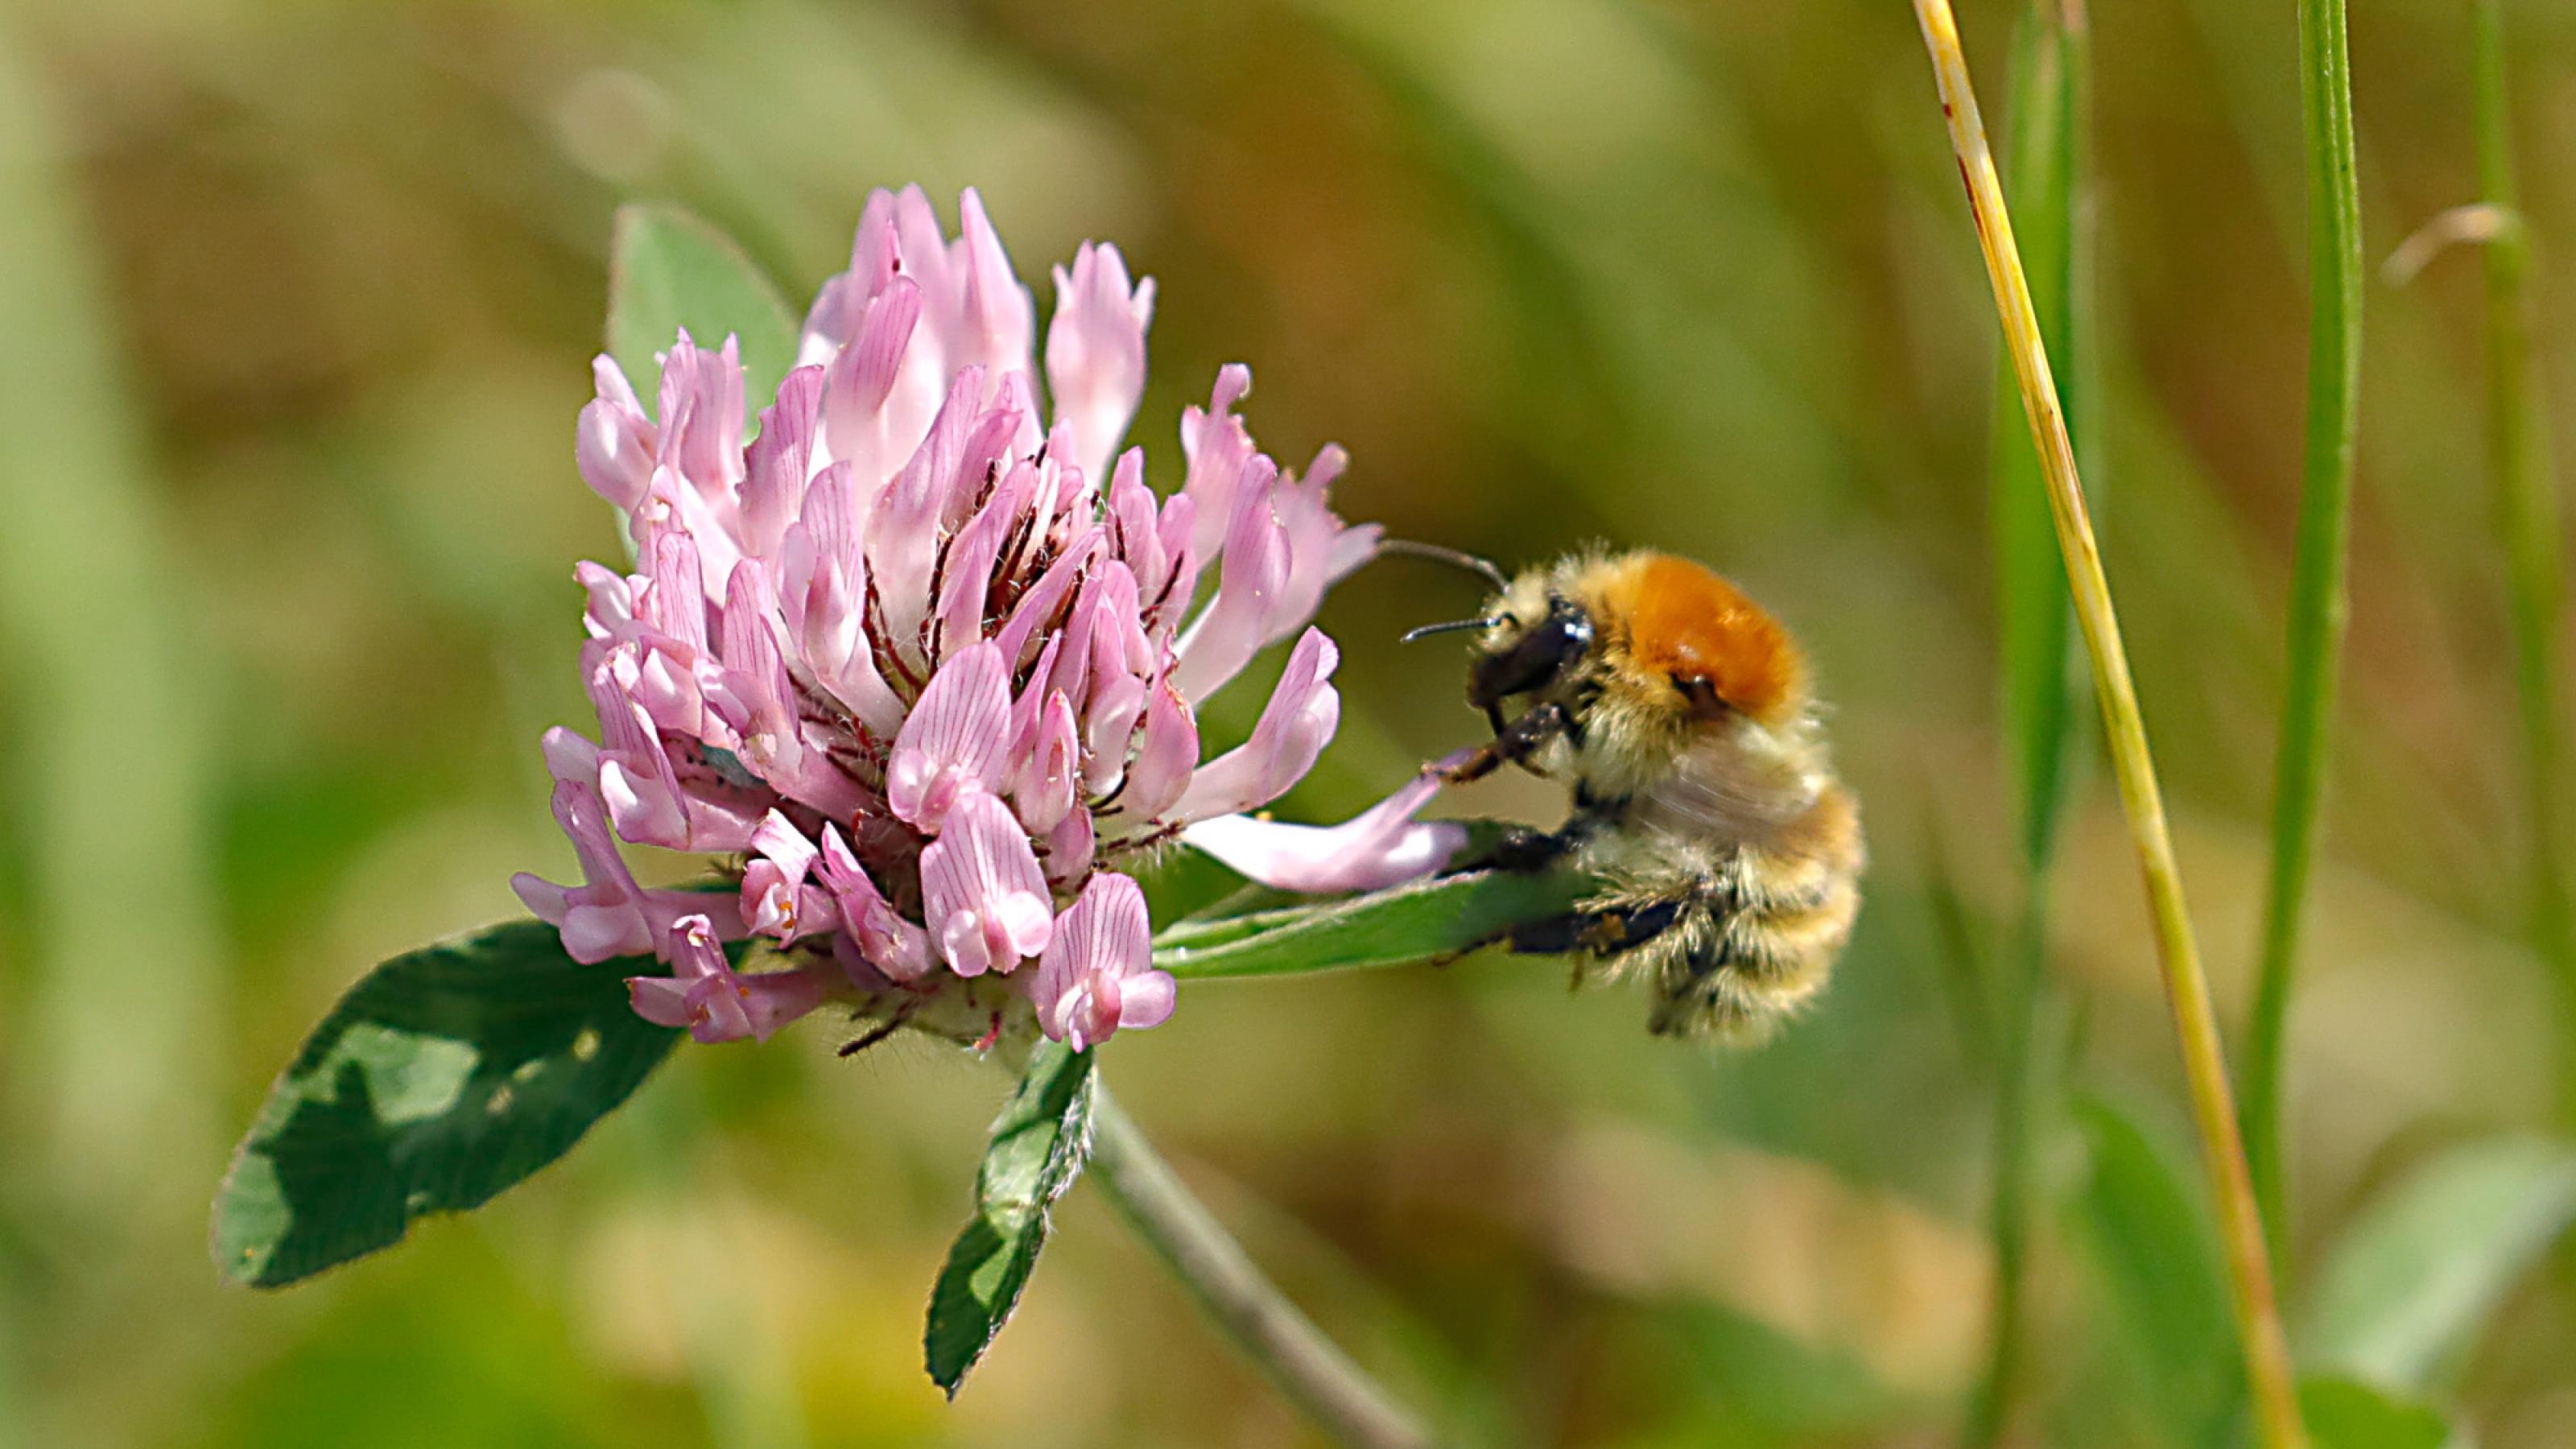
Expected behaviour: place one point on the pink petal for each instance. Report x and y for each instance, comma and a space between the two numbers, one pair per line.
1134, 535
615, 444
903, 528
956, 738
1321, 549
1050, 770
755, 670
1166, 753
703, 994
982, 893
1217, 446
661, 1000
1380, 847
635, 773
823, 586
999, 319
610, 611
1095, 352
863, 422
1037, 607
1069, 849
674, 602
1295, 726
894, 946
775, 899
1170, 600
601, 918
1117, 702
569, 756
1147, 1000
1097, 967
1106, 929
774, 998
702, 415
1252, 581
778, 463
966, 582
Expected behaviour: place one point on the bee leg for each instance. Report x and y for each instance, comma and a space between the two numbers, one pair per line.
1603, 932
1513, 744
1523, 849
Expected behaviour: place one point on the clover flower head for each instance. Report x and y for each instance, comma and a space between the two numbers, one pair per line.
928, 657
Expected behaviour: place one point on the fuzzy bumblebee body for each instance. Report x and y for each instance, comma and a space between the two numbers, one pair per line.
1678, 712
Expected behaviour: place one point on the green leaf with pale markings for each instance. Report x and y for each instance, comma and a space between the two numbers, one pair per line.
445, 1076
1038, 1146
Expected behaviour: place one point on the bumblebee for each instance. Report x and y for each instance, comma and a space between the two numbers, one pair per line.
1679, 713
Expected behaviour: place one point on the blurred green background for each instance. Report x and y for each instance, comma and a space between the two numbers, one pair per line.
296, 306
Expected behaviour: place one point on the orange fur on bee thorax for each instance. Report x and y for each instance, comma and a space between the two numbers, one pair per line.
1689, 624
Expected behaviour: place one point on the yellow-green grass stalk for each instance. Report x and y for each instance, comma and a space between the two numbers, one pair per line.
2258, 1319
2317, 587
2045, 159
2527, 515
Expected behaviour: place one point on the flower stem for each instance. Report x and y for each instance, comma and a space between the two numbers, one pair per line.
2267, 1358
1282, 1341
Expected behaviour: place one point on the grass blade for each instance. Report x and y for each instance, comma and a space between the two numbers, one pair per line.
103, 671
2033, 622
2527, 516
2317, 573
2267, 1358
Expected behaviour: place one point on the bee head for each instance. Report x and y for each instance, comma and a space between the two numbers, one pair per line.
1528, 650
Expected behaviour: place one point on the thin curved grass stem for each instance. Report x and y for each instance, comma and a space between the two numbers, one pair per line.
2267, 1358
1310, 1369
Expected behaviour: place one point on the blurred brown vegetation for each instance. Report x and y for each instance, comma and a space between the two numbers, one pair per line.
303, 297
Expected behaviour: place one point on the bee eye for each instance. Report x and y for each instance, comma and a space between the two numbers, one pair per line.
1536, 658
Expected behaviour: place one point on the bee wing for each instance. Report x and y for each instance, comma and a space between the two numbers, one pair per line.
1716, 793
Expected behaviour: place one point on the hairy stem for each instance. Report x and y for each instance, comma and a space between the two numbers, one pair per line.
2267, 1357
1283, 1342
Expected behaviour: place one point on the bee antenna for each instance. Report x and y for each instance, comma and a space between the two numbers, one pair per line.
1452, 627
1455, 558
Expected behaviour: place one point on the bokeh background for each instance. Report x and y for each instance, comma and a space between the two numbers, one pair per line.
298, 303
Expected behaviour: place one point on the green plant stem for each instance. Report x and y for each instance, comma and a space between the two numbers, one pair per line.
1283, 1342
2258, 1319
2035, 637
2527, 515
2317, 587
